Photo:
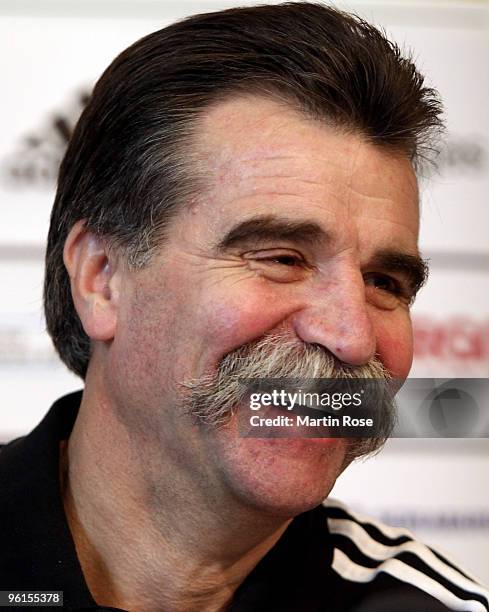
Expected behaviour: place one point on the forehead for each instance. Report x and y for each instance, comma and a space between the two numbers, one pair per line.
259, 153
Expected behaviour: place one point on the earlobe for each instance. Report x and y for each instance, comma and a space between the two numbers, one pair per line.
94, 276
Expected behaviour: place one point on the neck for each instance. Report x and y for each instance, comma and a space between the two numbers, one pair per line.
148, 535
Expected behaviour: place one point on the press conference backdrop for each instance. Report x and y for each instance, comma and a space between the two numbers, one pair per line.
51, 54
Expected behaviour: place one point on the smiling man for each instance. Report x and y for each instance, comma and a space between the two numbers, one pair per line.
238, 200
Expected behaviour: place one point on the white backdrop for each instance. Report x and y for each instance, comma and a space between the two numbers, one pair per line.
52, 52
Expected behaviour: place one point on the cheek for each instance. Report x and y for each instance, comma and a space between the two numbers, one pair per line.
237, 321
395, 343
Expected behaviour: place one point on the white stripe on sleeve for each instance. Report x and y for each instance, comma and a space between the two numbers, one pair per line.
349, 570
380, 552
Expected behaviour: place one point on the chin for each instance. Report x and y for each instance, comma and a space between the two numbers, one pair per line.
283, 477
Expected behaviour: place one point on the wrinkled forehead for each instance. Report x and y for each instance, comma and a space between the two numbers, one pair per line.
251, 145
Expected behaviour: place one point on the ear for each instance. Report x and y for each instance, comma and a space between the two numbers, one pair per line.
95, 281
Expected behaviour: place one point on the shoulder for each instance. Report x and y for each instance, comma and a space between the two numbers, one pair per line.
367, 551
8, 456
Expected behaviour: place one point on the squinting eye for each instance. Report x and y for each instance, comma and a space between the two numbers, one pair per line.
385, 292
277, 265
285, 260
386, 283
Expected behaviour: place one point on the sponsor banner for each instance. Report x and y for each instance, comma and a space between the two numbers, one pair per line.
455, 345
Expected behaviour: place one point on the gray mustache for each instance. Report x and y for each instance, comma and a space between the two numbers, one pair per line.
281, 356
212, 398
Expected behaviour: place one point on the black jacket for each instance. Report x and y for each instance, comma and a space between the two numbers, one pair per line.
326, 561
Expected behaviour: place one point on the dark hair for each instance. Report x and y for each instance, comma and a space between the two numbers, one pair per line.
129, 161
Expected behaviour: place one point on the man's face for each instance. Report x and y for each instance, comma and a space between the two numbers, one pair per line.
303, 229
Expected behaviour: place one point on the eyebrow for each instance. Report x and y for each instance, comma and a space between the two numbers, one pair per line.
269, 227
413, 267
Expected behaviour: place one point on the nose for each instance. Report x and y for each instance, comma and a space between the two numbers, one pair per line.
336, 317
